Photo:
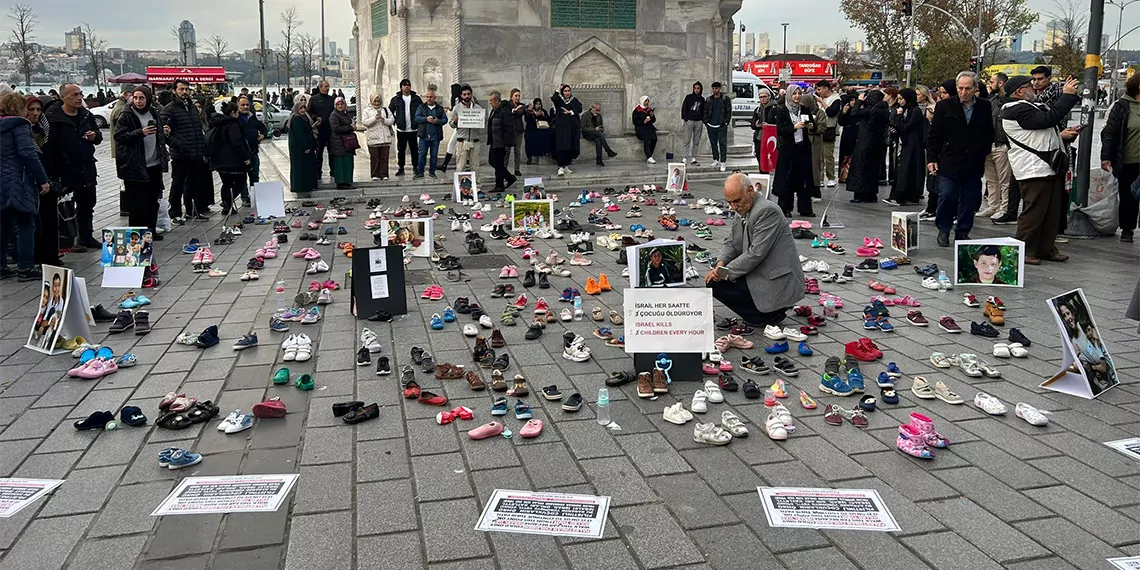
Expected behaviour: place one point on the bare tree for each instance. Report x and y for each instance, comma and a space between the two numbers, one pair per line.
25, 51
183, 46
308, 55
290, 24
1071, 24
95, 48
217, 46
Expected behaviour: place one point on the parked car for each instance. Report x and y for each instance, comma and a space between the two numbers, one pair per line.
103, 114
272, 117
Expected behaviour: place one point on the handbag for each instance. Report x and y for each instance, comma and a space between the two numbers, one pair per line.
844, 168
351, 142
829, 135
540, 124
68, 228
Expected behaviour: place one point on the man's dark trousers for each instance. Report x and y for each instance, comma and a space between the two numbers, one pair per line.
958, 199
407, 140
736, 296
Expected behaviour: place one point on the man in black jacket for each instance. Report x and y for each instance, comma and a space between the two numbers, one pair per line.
961, 135
501, 137
69, 158
718, 119
404, 106
188, 167
321, 105
693, 115
255, 132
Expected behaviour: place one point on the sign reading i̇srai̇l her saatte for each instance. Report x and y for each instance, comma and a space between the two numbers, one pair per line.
669, 320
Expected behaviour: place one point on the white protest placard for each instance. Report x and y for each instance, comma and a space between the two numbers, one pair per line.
1129, 447
227, 494
469, 118
15, 494
669, 320
839, 509
379, 286
1126, 562
377, 260
269, 199
552, 514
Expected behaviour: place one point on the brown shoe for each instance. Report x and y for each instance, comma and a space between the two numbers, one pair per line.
659, 385
448, 371
520, 390
1056, 257
994, 314
497, 340
644, 385
1032, 261
498, 384
475, 382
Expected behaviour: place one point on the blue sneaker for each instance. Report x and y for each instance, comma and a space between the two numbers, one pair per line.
893, 370
87, 356
870, 323
241, 423
277, 325
182, 458
449, 315
884, 325
888, 264
854, 375
135, 302
776, 348
164, 456
886, 381
127, 360
192, 246
246, 341
831, 382
132, 416
436, 322
804, 349
499, 408
522, 411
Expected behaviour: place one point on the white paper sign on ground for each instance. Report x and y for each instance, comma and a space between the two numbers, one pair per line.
552, 514
1129, 447
1126, 563
669, 320
228, 494
839, 509
15, 494
377, 260
269, 199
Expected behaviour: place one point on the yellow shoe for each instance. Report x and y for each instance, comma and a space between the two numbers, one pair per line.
71, 343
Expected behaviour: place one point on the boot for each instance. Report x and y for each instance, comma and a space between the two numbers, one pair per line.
446, 161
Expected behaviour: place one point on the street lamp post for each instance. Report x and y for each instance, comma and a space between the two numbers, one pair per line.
785, 24
1079, 223
322, 39
1122, 4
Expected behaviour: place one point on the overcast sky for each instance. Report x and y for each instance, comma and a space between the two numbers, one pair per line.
129, 24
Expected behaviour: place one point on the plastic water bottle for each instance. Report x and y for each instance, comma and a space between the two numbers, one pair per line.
578, 308
604, 406
829, 309
280, 296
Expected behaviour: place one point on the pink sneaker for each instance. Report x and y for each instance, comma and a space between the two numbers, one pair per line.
924, 426
312, 255
271, 244
296, 222
489, 429
197, 256
531, 429
302, 252
725, 366
505, 272
207, 255
514, 269
911, 442
93, 370
330, 284
314, 286
908, 301
877, 244
75, 372
710, 368
867, 251
478, 215
313, 226
269, 253
110, 367
867, 242
828, 235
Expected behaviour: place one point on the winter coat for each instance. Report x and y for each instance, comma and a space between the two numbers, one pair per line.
252, 126
117, 110
761, 114
1115, 133
645, 131
426, 130
21, 173
186, 139
322, 106
500, 127
718, 110
303, 167
567, 127
396, 105
340, 126
790, 174
1035, 126
378, 125
910, 173
228, 149
130, 154
693, 107
517, 113
960, 148
870, 146
538, 140
68, 157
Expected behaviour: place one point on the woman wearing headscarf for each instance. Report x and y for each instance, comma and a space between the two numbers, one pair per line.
870, 147
341, 153
302, 146
566, 114
378, 121
47, 224
909, 121
928, 103
810, 105
537, 132
793, 181
141, 158
643, 119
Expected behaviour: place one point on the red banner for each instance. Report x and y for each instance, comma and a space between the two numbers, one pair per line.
815, 69
768, 152
191, 74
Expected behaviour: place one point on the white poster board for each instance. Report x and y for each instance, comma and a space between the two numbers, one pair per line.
470, 118
1126, 562
466, 186
1087, 369
532, 214
413, 234
675, 176
551, 514
669, 320
227, 494
15, 494
659, 263
269, 199
1129, 447
57, 314
761, 184
838, 509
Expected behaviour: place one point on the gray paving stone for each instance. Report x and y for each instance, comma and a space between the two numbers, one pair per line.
12, 453
647, 527
427, 438
448, 532
482, 454
376, 550
985, 531
991, 494
384, 507
284, 432
67, 392
733, 547
441, 477
244, 530
617, 478
110, 554
324, 488
724, 473
825, 459
1013, 441
948, 550
1100, 457
62, 533
874, 550
333, 552
691, 501
84, 491
1068, 541
180, 536
910, 516
1093, 483
48, 465
1008, 469
829, 558
1051, 563
588, 440
476, 564
327, 445
652, 455
129, 509
526, 551
380, 460
904, 476
116, 448
12, 407
1105, 523
34, 424
259, 559
550, 465
610, 554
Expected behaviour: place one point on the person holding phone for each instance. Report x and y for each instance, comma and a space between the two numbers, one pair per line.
793, 181
141, 158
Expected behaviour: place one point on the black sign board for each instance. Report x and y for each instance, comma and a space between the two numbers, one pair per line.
378, 281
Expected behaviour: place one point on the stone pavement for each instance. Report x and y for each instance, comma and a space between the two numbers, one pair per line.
403, 492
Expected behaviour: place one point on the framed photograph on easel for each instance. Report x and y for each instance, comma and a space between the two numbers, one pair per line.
1087, 369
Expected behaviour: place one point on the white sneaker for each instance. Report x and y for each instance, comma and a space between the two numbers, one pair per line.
470, 330
304, 347
568, 171
576, 353
715, 356
712, 390
715, 164
242, 423
369, 340
485, 322
773, 332
732, 424
676, 414
775, 428
324, 297
793, 334
822, 267
289, 345
455, 225
722, 167
810, 265
832, 183
231, 419
989, 404
784, 416
694, 162
650, 160
711, 434
466, 226
700, 402
1030, 414
985, 213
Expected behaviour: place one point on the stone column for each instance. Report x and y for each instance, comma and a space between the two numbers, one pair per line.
725, 71
356, 72
456, 43
402, 32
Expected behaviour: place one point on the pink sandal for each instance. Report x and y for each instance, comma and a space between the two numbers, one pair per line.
908, 301
911, 442
867, 252
828, 235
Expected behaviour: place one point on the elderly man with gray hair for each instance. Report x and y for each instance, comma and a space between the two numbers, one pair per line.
757, 275
961, 137
500, 137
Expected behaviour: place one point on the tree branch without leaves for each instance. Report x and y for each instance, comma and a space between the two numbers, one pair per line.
307, 47
290, 24
217, 46
23, 49
95, 47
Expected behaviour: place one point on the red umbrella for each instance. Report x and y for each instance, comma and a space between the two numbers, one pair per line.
131, 77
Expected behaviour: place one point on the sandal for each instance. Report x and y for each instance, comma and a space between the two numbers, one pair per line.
498, 383
921, 388
597, 314
943, 392
616, 318
943, 360
173, 420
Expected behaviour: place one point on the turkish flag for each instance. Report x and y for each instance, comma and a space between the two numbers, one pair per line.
768, 153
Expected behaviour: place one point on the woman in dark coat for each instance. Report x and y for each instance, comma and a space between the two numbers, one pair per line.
22, 180
537, 136
229, 153
47, 250
141, 157
643, 119
909, 121
870, 147
848, 137
342, 156
302, 146
793, 179
566, 114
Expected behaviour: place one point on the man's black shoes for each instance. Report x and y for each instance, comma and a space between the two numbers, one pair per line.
943, 239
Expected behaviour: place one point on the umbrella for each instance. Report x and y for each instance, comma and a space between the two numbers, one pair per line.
131, 77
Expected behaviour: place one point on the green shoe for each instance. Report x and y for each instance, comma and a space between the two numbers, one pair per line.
281, 377
305, 382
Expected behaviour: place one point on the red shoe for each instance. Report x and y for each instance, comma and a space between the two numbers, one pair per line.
411, 390
809, 330
817, 320
432, 399
870, 346
803, 311
861, 354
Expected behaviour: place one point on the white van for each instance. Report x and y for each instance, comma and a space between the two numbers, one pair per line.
745, 90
